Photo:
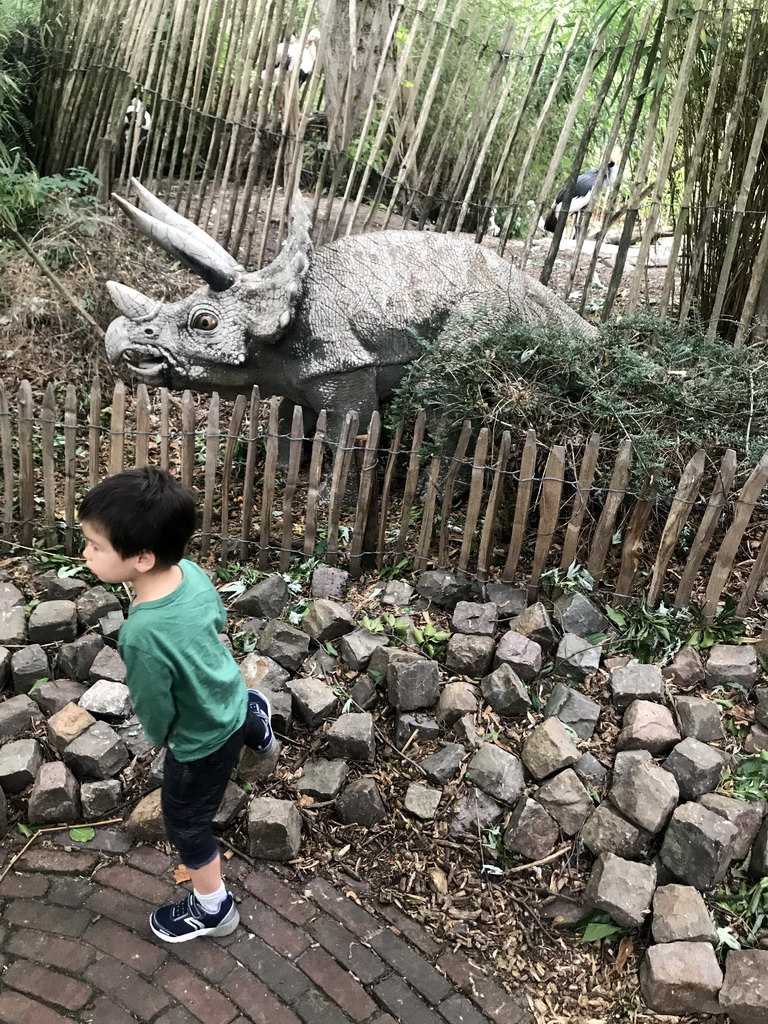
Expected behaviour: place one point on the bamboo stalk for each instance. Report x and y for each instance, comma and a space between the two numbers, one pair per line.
70, 466
522, 504
26, 462
313, 485
227, 465
427, 515
294, 464
212, 436
448, 488
47, 420
549, 513
385, 491
250, 471
341, 463
580, 499
6, 446
632, 549
187, 438
490, 526
141, 444
607, 522
685, 496
268, 484
367, 480
475, 497
411, 481
94, 432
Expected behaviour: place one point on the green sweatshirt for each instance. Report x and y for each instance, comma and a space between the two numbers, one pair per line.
186, 688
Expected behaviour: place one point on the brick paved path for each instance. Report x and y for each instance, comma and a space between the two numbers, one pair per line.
75, 945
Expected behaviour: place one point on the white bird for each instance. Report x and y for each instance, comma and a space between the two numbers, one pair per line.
286, 57
136, 111
583, 191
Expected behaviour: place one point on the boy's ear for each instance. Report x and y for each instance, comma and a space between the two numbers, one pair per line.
145, 561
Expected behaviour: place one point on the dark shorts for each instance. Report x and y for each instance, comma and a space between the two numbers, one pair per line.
191, 794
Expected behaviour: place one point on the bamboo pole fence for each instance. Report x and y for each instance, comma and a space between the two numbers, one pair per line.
369, 502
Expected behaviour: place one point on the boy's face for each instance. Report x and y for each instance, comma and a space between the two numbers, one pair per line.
102, 559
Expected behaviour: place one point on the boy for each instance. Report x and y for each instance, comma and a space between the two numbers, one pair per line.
186, 687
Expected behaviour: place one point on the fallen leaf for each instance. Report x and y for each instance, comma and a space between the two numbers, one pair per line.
439, 880
181, 874
626, 949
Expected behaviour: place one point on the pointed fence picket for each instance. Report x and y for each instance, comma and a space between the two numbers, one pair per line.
364, 503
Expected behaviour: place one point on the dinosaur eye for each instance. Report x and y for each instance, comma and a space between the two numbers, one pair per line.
204, 322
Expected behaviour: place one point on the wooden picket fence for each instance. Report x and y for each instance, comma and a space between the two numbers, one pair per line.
447, 119
509, 514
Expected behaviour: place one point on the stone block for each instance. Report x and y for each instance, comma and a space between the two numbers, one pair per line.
744, 995
443, 588
731, 663
75, 659
97, 753
456, 700
497, 772
535, 623
329, 582
107, 699
413, 682
313, 700
471, 656
274, 829
397, 593
352, 738
17, 715
99, 799
267, 599
20, 761
422, 801
52, 622
28, 666
698, 846
107, 665
531, 831
680, 915
680, 978
52, 696
360, 803
327, 620
699, 718
475, 618
607, 831
575, 613
522, 654
686, 670
13, 625
322, 779
261, 672
648, 726
409, 722
67, 724
284, 644
510, 601
636, 682
474, 810
646, 796
622, 888
94, 604
577, 657
357, 647
55, 796
548, 749
566, 800
504, 691
573, 709
696, 766
746, 817
444, 764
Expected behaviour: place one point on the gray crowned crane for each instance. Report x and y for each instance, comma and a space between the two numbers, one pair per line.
286, 56
585, 187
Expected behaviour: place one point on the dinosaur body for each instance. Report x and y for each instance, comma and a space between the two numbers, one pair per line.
333, 328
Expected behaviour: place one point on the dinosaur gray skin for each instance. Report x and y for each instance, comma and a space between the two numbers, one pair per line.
332, 328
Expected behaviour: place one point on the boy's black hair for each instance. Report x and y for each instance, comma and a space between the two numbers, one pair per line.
143, 509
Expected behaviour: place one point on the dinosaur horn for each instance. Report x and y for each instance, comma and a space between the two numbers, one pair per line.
161, 212
291, 262
199, 253
131, 303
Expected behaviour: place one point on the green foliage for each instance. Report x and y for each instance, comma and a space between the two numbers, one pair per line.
749, 904
81, 835
657, 634
747, 778
573, 580
600, 926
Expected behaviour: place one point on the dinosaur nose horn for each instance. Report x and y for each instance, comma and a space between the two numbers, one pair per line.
186, 242
132, 304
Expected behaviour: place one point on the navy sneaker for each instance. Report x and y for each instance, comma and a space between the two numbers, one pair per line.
258, 725
179, 922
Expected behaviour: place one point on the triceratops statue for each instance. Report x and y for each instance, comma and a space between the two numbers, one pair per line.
331, 328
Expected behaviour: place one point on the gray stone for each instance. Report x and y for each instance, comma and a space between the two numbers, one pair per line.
266, 600
360, 803
622, 888
565, 910
679, 978
97, 753
648, 726
329, 582
145, 822
680, 915
636, 682
17, 715
3, 815
5, 666
510, 601
686, 669
575, 613
406, 723
473, 617
761, 709
444, 764
577, 657
548, 749
758, 859
504, 691
456, 700
590, 771
52, 621
20, 762
757, 740
100, 798
327, 620
696, 766
313, 700
94, 604
530, 832
75, 659
234, 800
397, 593
413, 682
322, 779
110, 624
421, 801
284, 644
522, 654
474, 810
697, 846
535, 623
465, 731
261, 672
497, 772
274, 829
469, 655
647, 796
364, 693
573, 709
156, 770
63, 588
28, 666
54, 696
731, 663
744, 995
352, 738
132, 735
55, 796
357, 647
699, 718
107, 699
107, 665
607, 831
67, 724
566, 799
443, 588
13, 625
745, 817
10, 595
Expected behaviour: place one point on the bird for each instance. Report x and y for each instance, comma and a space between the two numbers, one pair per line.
286, 57
583, 191
136, 113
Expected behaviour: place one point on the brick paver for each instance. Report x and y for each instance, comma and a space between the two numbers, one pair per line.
76, 946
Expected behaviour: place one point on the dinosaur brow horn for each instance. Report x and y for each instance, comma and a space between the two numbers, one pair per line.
132, 304
199, 253
158, 209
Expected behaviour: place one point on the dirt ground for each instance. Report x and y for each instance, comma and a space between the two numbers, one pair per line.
498, 921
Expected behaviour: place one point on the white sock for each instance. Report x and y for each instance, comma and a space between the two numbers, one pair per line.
211, 901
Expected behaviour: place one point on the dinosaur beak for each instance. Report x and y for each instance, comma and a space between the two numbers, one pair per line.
182, 239
132, 304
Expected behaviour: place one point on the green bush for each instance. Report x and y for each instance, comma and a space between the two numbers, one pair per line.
668, 388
